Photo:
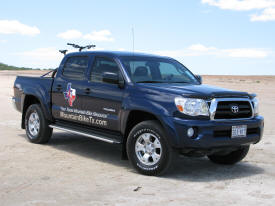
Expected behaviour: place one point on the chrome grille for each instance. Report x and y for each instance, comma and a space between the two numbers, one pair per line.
221, 108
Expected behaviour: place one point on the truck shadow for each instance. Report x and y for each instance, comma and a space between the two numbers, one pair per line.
203, 170
88, 148
184, 168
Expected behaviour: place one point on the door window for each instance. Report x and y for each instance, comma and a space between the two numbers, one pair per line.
75, 67
102, 65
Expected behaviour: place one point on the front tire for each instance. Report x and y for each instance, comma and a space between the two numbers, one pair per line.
231, 158
148, 150
37, 127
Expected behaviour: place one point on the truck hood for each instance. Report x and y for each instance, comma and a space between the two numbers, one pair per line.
193, 91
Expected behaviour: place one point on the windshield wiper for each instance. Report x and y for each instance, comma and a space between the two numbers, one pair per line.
150, 81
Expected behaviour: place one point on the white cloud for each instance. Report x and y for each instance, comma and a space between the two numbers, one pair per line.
193, 50
267, 7
103, 35
3, 41
40, 58
267, 15
70, 34
100, 36
240, 5
15, 27
246, 53
49, 57
49, 53
171, 53
201, 50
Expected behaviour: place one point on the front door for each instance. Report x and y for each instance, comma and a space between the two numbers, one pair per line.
104, 101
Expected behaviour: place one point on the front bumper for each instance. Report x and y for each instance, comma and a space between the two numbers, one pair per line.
213, 134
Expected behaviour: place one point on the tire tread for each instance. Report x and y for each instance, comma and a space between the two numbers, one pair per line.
165, 162
45, 131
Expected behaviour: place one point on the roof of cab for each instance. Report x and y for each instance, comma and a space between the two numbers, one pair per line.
114, 54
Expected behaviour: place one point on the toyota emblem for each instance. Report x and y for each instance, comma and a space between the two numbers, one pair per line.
235, 109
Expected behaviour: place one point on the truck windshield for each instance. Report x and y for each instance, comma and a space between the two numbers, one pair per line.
157, 70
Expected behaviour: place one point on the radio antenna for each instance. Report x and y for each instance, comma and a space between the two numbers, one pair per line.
133, 38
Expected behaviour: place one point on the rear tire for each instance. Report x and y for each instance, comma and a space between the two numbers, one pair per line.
37, 127
148, 150
231, 158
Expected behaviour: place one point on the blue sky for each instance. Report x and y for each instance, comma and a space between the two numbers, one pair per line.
208, 36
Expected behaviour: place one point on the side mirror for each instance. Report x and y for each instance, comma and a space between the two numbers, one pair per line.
199, 78
111, 78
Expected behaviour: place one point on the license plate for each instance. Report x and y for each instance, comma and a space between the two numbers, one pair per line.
239, 131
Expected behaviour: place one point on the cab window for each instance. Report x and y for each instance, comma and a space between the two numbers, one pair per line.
75, 67
102, 65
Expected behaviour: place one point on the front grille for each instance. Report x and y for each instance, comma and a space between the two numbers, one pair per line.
224, 111
227, 133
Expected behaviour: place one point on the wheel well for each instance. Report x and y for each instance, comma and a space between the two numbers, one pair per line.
28, 101
136, 117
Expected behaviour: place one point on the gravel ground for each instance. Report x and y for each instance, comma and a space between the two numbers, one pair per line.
74, 170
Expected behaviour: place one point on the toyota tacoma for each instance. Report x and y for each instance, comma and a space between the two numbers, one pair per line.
153, 106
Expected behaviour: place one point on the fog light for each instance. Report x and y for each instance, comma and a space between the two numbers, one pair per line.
190, 132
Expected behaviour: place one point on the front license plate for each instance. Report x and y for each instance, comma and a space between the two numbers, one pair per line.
239, 131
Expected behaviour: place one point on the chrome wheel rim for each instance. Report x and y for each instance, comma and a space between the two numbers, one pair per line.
34, 124
148, 149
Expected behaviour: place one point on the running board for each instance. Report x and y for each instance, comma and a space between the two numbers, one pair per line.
93, 136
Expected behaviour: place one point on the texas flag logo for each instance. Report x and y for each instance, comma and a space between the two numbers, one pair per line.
70, 94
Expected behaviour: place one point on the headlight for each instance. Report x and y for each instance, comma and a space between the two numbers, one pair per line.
192, 107
256, 105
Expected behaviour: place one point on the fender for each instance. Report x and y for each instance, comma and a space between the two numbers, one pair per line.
42, 92
151, 107
44, 107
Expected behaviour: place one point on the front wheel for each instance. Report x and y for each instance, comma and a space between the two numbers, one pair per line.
148, 150
231, 158
37, 128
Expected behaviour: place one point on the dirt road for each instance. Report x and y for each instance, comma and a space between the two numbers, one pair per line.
74, 170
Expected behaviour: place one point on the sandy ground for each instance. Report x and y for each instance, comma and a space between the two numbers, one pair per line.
74, 170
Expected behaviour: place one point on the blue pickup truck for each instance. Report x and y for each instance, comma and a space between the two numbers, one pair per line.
153, 106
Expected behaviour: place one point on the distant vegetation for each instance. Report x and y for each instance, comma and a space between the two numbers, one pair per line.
8, 67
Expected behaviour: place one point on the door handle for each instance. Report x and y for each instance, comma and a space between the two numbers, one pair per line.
59, 87
87, 91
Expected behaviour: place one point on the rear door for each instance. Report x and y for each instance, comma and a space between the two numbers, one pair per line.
104, 101
68, 91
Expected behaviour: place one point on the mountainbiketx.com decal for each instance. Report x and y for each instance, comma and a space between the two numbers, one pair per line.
70, 94
90, 117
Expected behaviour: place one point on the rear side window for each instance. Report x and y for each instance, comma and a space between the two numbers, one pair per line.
75, 67
102, 65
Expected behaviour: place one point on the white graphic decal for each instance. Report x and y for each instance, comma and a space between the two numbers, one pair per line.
84, 116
